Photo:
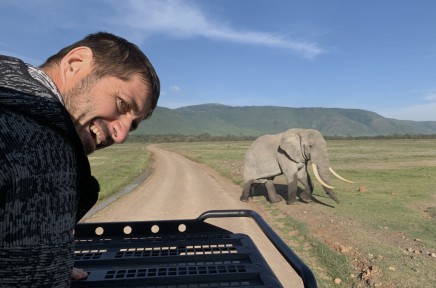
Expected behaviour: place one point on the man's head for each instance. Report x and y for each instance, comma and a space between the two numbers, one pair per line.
108, 86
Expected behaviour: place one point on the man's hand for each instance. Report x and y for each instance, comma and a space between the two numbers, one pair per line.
78, 274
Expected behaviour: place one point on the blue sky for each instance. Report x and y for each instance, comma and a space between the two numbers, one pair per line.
374, 55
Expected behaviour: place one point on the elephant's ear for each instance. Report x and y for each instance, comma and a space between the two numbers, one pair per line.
290, 143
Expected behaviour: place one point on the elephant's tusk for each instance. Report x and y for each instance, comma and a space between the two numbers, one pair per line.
315, 171
338, 176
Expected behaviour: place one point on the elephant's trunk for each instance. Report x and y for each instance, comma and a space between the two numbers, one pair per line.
339, 176
327, 187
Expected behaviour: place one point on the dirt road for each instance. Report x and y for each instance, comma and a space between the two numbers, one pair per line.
182, 189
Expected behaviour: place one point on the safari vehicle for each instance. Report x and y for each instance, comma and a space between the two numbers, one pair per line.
179, 253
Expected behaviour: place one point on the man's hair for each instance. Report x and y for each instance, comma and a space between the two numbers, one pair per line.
115, 56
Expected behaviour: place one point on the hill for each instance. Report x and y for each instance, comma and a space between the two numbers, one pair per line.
222, 120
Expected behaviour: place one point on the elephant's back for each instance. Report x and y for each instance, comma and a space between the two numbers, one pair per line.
260, 159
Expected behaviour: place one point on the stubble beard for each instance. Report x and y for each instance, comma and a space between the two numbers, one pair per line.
79, 105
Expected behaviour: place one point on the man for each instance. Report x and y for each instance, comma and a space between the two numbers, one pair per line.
86, 97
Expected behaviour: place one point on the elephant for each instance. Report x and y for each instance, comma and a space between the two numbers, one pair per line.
289, 153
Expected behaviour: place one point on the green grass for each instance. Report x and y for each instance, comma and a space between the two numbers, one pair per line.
116, 166
223, 156
304, 244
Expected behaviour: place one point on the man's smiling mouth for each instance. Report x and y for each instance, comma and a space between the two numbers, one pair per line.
97, 134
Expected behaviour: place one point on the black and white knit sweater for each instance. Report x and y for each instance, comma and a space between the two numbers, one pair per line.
45, 181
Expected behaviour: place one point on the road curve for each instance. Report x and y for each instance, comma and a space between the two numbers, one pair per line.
179, 188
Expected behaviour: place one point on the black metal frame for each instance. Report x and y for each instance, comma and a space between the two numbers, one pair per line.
179, 253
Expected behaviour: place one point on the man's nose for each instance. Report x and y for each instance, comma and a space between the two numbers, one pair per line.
120, 129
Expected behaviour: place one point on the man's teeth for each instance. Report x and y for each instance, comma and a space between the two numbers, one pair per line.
97, 134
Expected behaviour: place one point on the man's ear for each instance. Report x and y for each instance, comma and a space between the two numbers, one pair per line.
76, 64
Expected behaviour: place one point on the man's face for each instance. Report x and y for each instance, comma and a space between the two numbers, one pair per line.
105, 110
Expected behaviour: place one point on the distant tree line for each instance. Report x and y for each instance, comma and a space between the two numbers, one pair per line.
187, 138
390, 136
208, 137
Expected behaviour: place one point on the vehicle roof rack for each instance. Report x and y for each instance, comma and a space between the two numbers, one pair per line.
186, 253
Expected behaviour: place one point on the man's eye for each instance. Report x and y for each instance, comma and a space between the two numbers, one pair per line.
123, 106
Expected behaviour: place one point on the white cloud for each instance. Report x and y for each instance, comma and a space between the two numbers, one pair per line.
424, 112
142, 19
183, 19
430, 96
175, 88
424, 108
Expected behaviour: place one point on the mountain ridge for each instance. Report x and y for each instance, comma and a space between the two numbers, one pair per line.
222, 120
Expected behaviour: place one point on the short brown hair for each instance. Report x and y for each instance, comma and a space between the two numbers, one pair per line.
115, 56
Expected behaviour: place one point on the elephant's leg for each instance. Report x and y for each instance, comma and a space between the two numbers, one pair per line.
305, 180
272, 194
292, 188
290, 170
246, 191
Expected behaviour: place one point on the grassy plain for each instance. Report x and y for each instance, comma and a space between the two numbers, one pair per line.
383, 234
116, 166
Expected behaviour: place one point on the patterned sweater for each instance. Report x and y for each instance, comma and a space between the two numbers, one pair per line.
45, 181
